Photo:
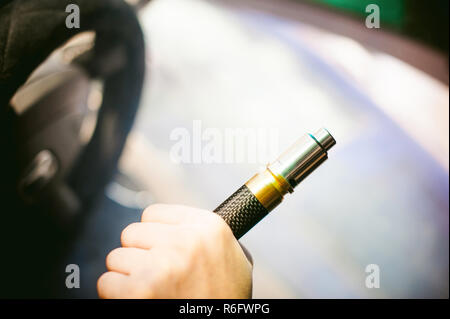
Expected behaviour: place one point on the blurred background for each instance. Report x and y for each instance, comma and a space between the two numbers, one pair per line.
292, 67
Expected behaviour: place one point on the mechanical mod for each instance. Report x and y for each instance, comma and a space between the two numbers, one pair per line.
264, 191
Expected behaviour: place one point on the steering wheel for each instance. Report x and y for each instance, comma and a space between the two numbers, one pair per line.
49, 173
46, 163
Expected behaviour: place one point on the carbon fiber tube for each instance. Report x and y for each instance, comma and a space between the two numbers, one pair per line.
264, 191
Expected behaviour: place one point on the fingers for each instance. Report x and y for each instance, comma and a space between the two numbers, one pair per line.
176, 252
124, 260
114, 285
147, 235
173, 214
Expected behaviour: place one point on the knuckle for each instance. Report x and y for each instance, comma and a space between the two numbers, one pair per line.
200, 236
191, 243
101, 281
101, 285
126, 234
218, 227
184, 266
195, 248
187, 265
113, 254
150, 210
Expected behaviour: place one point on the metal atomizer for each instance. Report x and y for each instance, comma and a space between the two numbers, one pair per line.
264, 191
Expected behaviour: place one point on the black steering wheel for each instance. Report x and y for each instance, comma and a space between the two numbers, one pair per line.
48, 178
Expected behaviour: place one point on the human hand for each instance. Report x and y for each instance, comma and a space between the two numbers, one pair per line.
177, 252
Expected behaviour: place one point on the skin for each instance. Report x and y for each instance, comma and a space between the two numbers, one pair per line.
177, 252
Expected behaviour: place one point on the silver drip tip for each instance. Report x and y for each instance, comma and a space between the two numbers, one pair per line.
302, 157
324, 138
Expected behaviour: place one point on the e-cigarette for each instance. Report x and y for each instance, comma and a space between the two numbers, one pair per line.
264, 191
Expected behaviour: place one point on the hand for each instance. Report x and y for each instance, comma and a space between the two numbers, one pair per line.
177, 252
